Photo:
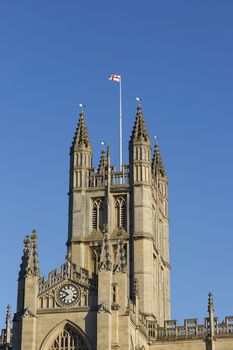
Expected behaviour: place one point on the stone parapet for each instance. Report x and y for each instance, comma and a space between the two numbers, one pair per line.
68, 271
172, 331
191, 329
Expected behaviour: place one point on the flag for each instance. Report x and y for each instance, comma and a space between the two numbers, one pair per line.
114, 77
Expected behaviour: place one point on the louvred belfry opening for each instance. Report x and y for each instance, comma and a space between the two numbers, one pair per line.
97, 214
121, 213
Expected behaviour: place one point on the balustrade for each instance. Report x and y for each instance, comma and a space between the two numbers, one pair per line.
171, 330
192, 329
118, 178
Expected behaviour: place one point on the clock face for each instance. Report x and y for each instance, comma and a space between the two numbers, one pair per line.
68, 294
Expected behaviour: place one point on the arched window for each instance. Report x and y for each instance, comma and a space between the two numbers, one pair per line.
121, 213
68, 339
97, 214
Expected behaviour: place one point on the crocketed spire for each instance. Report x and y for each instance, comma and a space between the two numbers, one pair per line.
8, 325
81, 134
30, 260
103, 162
157, 163
35, 255
210, 302
8, 315
211, 330
139, 132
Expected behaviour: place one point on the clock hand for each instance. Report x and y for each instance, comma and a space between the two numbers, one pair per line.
64, 294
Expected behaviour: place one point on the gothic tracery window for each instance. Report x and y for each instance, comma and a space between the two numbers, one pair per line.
97, 215
68, 339
121, 213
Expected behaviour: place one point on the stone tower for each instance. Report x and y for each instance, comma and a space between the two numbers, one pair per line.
113, 289
117, 265
130, 205
148, 217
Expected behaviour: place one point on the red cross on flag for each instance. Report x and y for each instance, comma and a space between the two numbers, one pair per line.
114, 77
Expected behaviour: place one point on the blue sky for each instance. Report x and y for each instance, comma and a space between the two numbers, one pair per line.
176, 55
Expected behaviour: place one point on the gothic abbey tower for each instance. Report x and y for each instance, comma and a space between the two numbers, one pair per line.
113, 290
127, 208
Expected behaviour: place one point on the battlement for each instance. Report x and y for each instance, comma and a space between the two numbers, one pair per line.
68, 271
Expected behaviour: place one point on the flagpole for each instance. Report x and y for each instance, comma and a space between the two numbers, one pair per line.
120, 125
117, 77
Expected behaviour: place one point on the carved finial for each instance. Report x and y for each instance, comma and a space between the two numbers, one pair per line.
117, 267
103, 162
157, 163
210, 302
105, 257
25, 257
156, 139
103, 144
139, 132
68, 255
139, 100
81, 105
120, 257
8, 325
30, 260
8, 315
34, 234
122, 254
27, 242
35, 255
67, 269
211, 330
81, 135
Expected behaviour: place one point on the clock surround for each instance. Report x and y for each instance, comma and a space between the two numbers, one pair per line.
68, 294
